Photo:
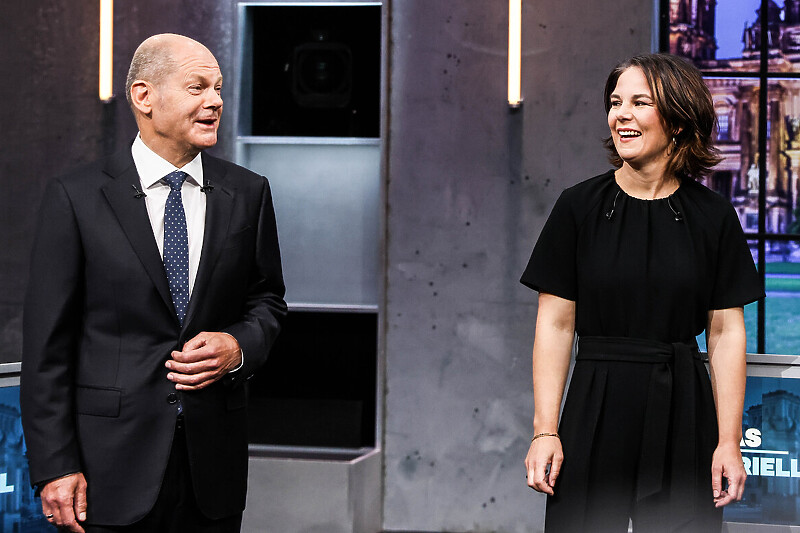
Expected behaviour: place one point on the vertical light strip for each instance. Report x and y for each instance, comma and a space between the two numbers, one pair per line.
514, 52
106, 86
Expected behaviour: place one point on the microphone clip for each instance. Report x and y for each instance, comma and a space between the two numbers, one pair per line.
610, 213
678, 215
207, 188
139, 193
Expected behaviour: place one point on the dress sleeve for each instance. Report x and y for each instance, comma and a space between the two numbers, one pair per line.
552, 266
736, 282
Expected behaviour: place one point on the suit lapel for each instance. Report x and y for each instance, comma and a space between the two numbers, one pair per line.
132, 215
219, 208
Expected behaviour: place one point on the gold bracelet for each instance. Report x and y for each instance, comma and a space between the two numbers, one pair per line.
540, 435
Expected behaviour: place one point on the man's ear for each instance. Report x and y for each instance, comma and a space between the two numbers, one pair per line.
142, 96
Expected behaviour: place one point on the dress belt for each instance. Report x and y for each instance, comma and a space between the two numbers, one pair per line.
671, 400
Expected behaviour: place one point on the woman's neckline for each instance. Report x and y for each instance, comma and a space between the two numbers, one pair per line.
629, 195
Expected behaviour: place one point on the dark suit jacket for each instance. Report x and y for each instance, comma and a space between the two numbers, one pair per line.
99, 324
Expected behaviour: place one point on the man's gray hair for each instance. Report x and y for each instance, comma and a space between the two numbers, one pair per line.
151, 62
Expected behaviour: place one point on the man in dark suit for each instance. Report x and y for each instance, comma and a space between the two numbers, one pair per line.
155, 291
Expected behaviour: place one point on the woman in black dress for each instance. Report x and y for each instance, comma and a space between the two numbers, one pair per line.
638, 261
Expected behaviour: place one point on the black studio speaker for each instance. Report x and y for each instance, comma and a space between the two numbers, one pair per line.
322, 74
316, 70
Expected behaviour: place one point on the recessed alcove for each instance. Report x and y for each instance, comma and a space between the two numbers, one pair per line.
309, 112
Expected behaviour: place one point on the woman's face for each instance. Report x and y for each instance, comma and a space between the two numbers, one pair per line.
636, 125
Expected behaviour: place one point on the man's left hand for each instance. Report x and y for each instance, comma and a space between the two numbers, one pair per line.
204, 359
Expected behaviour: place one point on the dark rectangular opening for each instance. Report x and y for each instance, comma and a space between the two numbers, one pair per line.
316, 71
318, 386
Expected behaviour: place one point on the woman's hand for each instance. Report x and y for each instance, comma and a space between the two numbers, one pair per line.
728, 369
544, 451
727, 463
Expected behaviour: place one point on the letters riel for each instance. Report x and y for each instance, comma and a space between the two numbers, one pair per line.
766, 463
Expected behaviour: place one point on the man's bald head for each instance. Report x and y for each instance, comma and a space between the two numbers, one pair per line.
175, 90
155, 59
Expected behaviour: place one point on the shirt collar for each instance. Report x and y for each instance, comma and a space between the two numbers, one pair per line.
152, 167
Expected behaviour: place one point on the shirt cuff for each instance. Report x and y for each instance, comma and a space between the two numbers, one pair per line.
240, 364
241, 352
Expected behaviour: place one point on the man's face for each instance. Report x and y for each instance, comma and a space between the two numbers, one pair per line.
187, 105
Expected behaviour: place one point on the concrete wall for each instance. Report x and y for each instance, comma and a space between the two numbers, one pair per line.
49, 121
470, 185
53, 119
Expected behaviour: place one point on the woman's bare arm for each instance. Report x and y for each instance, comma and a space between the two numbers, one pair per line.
726, 356
552, 349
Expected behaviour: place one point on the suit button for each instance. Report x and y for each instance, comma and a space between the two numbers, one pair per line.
172, 397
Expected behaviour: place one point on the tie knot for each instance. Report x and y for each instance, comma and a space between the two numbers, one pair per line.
175, 179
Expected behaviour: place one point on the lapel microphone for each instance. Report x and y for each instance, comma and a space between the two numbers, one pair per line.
678, 215
610, 214
207, 188
139, 193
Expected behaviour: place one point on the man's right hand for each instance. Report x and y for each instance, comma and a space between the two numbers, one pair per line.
65, 499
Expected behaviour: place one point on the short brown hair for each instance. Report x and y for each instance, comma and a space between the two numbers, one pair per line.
684, 103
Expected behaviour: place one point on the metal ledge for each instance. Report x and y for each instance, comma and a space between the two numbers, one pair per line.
309, 453
334, 141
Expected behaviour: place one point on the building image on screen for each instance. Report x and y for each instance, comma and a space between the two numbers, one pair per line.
758, 112
771, 453
20, 510
693, 34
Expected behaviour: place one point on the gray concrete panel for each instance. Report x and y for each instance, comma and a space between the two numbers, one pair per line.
322, 495
470, 186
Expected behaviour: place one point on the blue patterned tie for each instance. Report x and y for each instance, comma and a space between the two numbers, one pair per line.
176, 244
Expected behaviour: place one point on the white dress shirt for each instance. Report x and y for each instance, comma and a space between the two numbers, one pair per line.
152, 168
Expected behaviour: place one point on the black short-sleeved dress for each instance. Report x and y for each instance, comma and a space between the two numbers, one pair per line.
643, 274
